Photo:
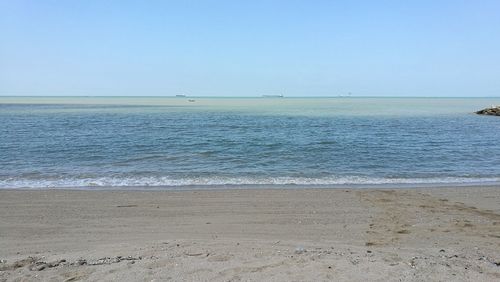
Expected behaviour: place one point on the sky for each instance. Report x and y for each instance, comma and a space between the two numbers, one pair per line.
250, 48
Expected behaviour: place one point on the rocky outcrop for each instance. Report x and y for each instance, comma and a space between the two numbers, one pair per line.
493, 111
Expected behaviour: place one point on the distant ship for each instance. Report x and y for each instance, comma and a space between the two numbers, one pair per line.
180, 95
273, 96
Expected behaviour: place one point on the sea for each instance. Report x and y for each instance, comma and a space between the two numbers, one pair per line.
217, 142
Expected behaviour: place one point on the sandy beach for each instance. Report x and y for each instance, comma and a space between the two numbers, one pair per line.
421, 234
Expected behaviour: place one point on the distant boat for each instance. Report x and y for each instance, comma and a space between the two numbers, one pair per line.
191, 100
180, 95
273, 96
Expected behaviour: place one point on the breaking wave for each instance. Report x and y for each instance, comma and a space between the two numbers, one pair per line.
234, 181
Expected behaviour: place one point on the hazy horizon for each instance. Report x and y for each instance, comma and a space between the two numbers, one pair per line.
238, 96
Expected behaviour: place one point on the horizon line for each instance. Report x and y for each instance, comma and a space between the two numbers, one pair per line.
224, 96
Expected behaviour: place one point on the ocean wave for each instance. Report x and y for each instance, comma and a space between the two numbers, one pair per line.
236, 181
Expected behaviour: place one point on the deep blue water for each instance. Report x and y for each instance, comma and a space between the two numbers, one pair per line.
70, 145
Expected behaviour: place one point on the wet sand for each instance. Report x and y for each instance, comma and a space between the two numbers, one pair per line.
421, 234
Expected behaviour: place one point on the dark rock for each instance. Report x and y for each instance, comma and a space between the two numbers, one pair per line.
56, 263
40, 267
81, 262
493, 111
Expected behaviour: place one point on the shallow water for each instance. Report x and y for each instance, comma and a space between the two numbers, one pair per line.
157, 141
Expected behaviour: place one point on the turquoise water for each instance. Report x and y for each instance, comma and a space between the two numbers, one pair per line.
172, 142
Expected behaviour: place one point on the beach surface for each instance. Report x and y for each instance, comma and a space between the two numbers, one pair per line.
420, 234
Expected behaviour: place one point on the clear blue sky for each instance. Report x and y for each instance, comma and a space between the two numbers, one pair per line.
250, 48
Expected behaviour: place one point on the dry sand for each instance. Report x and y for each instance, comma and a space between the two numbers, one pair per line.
432, 234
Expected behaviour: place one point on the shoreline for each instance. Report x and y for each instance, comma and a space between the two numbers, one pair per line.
223, 187
433, 233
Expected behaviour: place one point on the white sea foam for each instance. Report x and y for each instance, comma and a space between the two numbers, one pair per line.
236, 181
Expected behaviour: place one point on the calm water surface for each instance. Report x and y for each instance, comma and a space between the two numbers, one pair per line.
119, 141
